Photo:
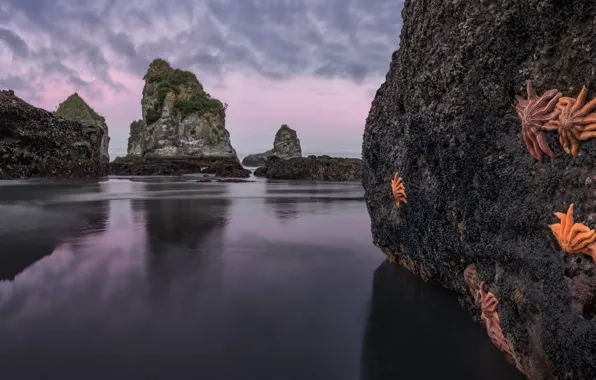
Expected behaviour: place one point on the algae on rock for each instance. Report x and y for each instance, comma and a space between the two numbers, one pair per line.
181, 119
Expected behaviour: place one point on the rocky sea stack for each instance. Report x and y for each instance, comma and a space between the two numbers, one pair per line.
477, 201
316, 168
286, 145
76, 109
182, 128
36, 143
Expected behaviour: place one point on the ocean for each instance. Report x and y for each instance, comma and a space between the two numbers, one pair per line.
168, 278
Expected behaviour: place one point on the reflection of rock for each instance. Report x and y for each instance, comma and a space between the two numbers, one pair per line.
286, 145
318, 168
410, 319
29, 233
445, 121
284, 208
185, 238
35, 143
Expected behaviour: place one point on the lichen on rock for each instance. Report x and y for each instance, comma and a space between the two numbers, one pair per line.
76, 109
286, 145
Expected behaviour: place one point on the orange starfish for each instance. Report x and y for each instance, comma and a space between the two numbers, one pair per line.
399, 190
575, 123
535, 112
490, 317
574, 238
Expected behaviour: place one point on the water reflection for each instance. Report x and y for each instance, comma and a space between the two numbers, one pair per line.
417, 330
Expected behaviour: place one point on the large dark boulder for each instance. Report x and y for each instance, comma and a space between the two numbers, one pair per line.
317, 168
445, 121
130, 165
36, 143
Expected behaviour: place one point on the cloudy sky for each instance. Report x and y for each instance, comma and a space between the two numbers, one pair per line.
311, 64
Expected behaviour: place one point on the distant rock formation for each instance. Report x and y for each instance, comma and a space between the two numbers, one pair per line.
444, 119
286, 145
135, 140
182, 120
317, 168
76, 109
183, 128
36, 143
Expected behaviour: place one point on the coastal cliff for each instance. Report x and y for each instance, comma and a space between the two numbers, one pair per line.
182, 130
482, 182
286, 145
76, 109
36, 143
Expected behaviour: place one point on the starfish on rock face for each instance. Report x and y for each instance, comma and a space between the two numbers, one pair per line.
399, 190
574, 238
575, 122
535, 112
490, 317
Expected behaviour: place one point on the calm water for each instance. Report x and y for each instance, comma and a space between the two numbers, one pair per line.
165, 279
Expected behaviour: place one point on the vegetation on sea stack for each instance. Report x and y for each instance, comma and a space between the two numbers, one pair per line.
76, 109
188, 92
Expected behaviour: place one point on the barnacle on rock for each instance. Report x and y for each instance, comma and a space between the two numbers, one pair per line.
575, 122
574, 238
399, 190
534, 113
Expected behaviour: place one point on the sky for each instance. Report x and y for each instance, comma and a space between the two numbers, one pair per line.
312, 64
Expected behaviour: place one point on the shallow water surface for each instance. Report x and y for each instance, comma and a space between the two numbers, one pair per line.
166, 278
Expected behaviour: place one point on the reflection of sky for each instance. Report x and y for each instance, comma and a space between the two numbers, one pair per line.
178, 280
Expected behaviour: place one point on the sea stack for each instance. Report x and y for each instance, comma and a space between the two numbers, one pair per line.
480, 197
76, 109
182, 130
286, 145
36, 143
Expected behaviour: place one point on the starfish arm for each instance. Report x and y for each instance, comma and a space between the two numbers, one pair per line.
564, 140
541, 138
530, 146
581, 99
568, 220
582, 239
591, 118
587, 135
589, 127
530, 89
552, 103
587, 108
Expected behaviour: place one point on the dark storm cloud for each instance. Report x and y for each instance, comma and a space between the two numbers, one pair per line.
16, 43
351, 39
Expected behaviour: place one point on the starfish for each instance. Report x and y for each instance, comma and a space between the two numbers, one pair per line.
399, 190
574, 238
573, 120
490, 317
470, 280
535, 112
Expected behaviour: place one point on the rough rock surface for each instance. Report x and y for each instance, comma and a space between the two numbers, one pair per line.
182, 120
444, 120
76, 109
182, 130
286, 145
317, 168
135, 139
175, 167
35, 143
